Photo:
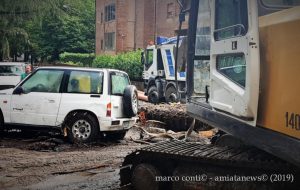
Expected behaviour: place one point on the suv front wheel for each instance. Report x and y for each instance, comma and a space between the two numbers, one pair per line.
82, 127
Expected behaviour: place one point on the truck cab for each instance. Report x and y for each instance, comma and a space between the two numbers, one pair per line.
159, 73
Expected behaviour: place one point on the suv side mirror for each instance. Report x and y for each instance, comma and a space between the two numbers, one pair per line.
19, 90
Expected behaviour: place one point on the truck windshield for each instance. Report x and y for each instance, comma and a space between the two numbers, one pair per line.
11, 70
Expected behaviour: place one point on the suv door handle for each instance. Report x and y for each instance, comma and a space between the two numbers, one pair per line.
51, 101
94, 96
18, 109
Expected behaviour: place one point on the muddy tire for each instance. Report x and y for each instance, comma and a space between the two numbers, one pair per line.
130, 103
82, 127
153, 96
171, 94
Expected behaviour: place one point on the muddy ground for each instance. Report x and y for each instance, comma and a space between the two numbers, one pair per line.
47, 161
50, 163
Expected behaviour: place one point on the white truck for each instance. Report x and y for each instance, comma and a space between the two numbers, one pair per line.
159, 73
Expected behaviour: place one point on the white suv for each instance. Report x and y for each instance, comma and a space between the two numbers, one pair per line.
82, 102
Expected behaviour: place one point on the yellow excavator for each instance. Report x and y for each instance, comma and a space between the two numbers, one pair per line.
243, 77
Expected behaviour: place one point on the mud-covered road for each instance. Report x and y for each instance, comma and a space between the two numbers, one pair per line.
34, 160
47, 162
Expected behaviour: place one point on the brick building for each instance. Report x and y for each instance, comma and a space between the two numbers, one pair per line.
123, 25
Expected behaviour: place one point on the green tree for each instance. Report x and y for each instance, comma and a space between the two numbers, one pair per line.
72, 32
45, 28
13, 15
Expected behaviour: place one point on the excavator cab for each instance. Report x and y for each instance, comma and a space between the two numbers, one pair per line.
233, 77
225, 67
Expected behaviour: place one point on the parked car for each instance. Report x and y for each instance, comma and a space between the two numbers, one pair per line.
10, 74
82, 102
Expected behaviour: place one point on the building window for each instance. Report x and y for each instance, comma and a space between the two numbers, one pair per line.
110, 12
109, 40
170, 10
101, 17
102, 44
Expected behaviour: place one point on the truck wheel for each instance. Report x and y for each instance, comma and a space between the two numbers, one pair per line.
130, 103
171, 94
153, 95
82, 127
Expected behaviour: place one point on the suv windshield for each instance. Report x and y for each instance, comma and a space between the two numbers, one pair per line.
11, 70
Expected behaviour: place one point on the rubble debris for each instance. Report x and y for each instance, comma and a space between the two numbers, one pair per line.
142, 117
141, 96
147, 135
173, 115
140, 141
208, 134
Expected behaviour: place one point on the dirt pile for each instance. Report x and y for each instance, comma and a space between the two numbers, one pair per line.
174, 116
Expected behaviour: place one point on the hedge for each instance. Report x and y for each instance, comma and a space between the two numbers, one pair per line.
82, 59
130, 62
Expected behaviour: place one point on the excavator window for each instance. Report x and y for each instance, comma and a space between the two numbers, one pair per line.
231, 19
233, 66
202, 50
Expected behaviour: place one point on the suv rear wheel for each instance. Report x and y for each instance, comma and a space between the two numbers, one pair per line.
82, 127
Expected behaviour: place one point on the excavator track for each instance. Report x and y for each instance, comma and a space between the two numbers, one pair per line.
190, 165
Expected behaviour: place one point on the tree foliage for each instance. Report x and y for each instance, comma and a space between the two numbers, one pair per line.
130, 62
82, 59
45, 28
